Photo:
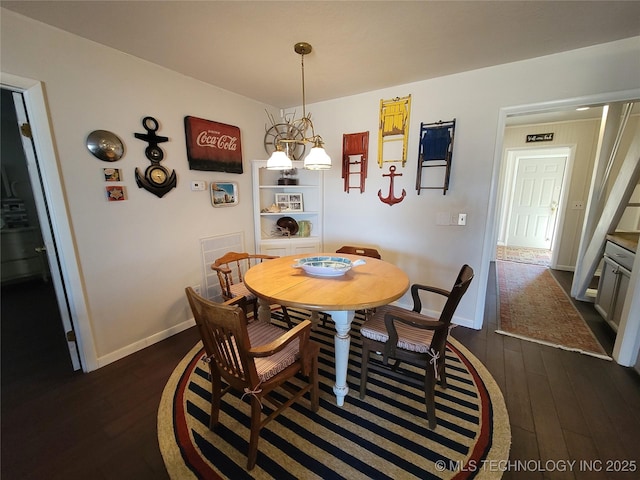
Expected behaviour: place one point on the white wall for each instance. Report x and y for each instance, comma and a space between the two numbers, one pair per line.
406, 233
137, 256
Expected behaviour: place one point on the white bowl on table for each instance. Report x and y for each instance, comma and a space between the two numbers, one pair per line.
326, 266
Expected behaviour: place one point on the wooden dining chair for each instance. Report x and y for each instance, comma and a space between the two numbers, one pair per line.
231, 268
364, 251
409, 336
254, 359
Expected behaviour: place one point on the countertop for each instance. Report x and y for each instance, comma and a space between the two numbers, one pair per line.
628, 240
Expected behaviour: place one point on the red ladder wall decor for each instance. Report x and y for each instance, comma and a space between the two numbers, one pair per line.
354, 145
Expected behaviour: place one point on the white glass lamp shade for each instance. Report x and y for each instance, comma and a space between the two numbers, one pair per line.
279, 161
317, 159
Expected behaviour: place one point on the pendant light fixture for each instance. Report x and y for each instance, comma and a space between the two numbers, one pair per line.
298, 132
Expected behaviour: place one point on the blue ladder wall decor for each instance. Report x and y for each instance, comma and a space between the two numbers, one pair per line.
436, 151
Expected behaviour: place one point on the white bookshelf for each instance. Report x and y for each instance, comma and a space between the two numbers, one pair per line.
265, 189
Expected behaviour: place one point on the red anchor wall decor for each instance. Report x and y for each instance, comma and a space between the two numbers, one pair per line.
390, 199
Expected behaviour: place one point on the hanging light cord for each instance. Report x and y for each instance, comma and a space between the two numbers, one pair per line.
304, 113
306, 122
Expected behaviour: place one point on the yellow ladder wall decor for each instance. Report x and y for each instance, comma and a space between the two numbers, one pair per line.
394, 127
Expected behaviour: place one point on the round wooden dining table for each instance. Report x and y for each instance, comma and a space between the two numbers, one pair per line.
370, 285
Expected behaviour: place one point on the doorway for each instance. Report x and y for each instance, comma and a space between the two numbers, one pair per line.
536, 189
533, 188
623, 350
32, 311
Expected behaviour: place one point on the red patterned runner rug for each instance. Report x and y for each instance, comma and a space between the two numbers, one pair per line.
534, 307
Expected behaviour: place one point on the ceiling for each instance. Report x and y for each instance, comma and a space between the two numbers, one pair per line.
246, 47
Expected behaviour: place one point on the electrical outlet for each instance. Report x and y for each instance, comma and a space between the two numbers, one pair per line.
462, 219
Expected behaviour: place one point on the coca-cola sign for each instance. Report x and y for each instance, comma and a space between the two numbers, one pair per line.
213, 146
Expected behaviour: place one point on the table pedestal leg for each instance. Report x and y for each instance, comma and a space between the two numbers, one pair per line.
264, 310
342, 321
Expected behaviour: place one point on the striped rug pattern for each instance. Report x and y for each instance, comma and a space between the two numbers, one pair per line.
383, 436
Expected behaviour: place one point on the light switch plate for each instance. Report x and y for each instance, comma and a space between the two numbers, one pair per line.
198, 185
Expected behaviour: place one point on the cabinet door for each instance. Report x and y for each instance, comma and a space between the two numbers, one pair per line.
305, 248
279, 250
606, 288
621, 293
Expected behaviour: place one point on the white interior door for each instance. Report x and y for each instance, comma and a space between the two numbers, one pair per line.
535, 198
49, 243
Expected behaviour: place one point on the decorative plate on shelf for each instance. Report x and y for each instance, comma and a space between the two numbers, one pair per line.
327, 266
289, 224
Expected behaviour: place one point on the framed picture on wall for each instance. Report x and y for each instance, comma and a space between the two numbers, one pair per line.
224, 194
112, 174
116, 193
289, 202
212, 146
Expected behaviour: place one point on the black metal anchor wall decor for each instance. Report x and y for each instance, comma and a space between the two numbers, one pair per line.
156, 178
390, 199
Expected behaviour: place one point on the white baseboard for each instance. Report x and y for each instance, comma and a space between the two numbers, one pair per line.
158, 337
145, 342
464, 322
565, 268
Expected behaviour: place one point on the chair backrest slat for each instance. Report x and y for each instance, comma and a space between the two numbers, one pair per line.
231, 268
228, 359
223, 329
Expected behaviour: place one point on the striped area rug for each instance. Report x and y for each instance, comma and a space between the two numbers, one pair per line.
383, 436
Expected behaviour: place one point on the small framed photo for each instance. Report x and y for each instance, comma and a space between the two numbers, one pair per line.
224, 194
112, 174
116, 193
289, 202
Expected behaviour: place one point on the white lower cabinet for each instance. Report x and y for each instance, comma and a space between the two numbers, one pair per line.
281, 248
614, 283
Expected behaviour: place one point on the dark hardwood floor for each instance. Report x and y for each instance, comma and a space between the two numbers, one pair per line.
563, 406
57, 424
